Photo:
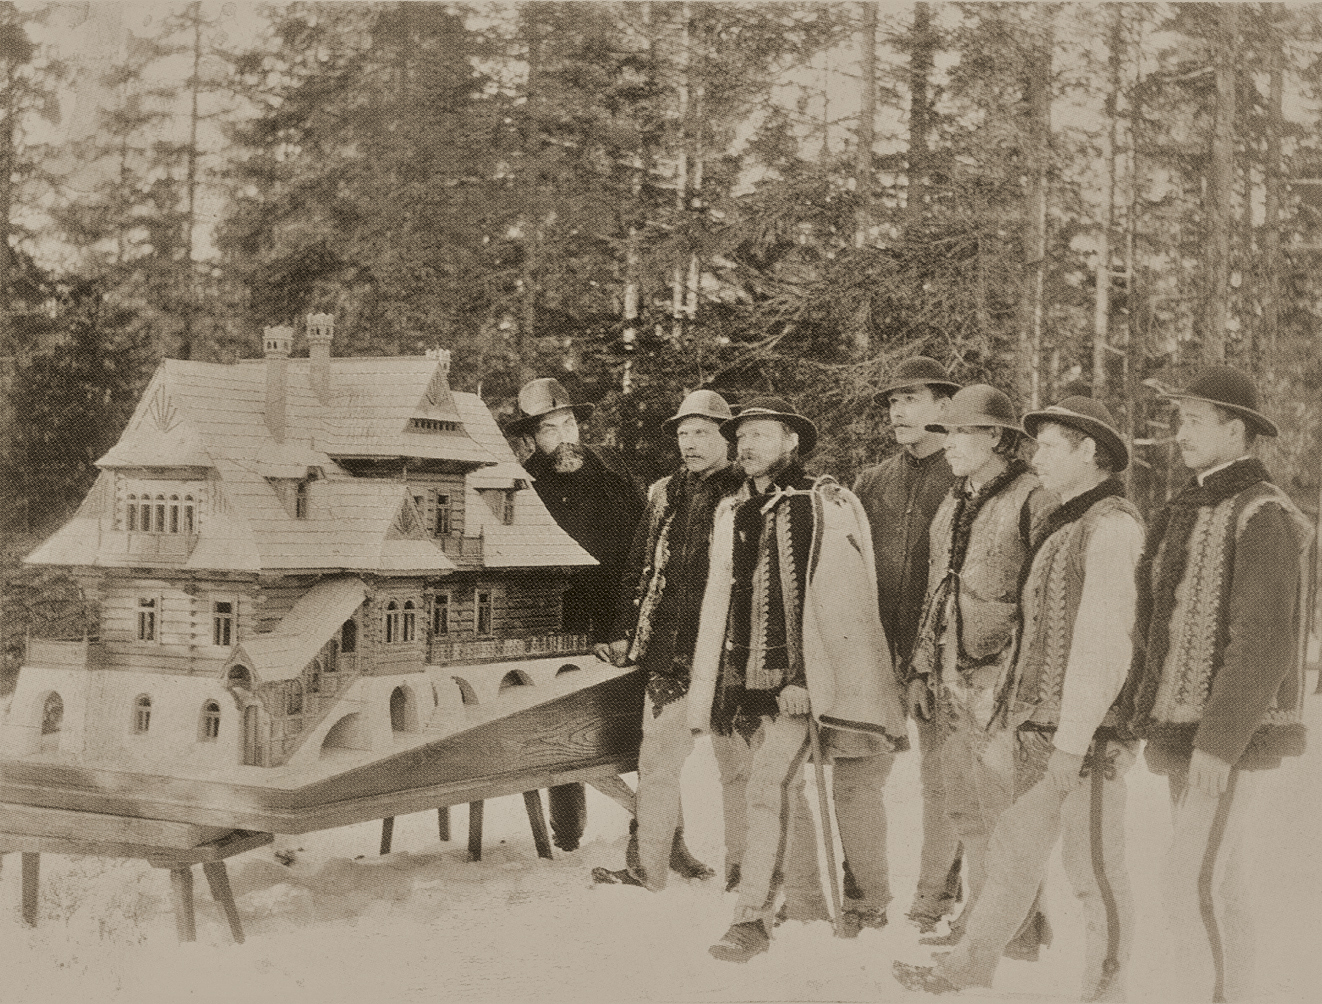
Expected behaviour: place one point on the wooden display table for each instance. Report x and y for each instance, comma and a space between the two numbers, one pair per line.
158, 842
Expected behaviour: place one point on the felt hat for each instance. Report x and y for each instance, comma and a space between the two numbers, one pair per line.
538, 398
915, 371
1090, 417
779, 409
1231, 389
700, 404
979, 404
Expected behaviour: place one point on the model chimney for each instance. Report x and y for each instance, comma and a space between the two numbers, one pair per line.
321, 331
277, 342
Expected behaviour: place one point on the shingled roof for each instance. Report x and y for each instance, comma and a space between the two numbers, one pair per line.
210, 417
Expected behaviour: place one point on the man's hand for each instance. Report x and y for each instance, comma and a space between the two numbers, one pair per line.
794, 700
1063, 771
615, 653
1208, 774
918, 700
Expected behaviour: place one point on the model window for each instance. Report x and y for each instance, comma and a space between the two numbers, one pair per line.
484, 613
507, 508
133, 512
147, 619
349, 636
144, 522
222, 622
210, 726
160, 514
392, 622
442, 515
174, 513
142, 714
410, 631
189, 523
294, 698
301, 501
440, 614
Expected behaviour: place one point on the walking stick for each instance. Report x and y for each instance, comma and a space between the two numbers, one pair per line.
828, 838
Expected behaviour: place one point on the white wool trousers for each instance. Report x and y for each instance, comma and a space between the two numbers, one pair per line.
781, 842
1089, 820
1206, 888
666, 745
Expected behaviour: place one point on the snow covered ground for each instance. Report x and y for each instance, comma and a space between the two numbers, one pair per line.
422, 924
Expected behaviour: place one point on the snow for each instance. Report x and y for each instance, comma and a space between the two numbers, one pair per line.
423, 923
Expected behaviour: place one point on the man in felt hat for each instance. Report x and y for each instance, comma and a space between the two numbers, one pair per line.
1218, 680
790, 610
1073, 655
900, 496
656, 627
980, 539
597, 499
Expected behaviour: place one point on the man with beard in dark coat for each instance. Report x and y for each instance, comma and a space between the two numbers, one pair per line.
595, 497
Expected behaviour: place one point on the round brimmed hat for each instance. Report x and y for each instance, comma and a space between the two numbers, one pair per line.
917, 371
1229, 388
779, 409
980, 405
539, 398
1089, 417
700, 404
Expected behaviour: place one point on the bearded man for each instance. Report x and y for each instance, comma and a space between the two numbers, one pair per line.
597, 499
789, 629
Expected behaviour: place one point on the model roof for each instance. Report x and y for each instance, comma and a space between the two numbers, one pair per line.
209, 420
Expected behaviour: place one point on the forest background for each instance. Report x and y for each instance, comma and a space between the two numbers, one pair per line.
646, 198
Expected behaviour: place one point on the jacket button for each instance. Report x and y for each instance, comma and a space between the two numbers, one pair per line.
729, 646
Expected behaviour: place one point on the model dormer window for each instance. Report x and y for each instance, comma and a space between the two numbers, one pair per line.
301, 500
222, 622
433, 425
133, 512
501, 503
443, 514
161, 512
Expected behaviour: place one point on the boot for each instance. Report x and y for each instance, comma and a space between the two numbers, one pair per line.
922, 978
604, 876
854, 919
742, 942
683, 862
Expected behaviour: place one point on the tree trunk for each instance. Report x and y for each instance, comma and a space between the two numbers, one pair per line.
1102, 307
921, 59
1272, 210
1217, 209
1035, 225
863, 163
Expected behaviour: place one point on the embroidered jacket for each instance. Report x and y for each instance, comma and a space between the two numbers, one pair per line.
979, 545
1078, 597
663, 582
1221, 604
791, 599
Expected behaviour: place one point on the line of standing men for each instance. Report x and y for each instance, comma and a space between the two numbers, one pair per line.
1009, 606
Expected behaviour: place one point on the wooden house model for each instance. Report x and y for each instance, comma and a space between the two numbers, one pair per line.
303, 569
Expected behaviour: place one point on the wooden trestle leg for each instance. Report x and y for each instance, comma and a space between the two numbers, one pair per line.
31, 882
475, 831
443, 822
532, 801
181, 886
219, 880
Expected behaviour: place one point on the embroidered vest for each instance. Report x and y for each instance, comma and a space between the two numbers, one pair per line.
1051, 596
989, 580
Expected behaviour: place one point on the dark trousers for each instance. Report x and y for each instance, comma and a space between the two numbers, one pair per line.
569, 814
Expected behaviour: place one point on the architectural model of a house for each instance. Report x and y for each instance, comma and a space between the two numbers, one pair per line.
299, 565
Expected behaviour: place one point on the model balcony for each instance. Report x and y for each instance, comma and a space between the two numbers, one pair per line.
463, 653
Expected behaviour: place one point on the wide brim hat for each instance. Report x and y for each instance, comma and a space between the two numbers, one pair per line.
979, 404
537, 399
1090, 417
920, 370
700, 404
779, 409
1229, 388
